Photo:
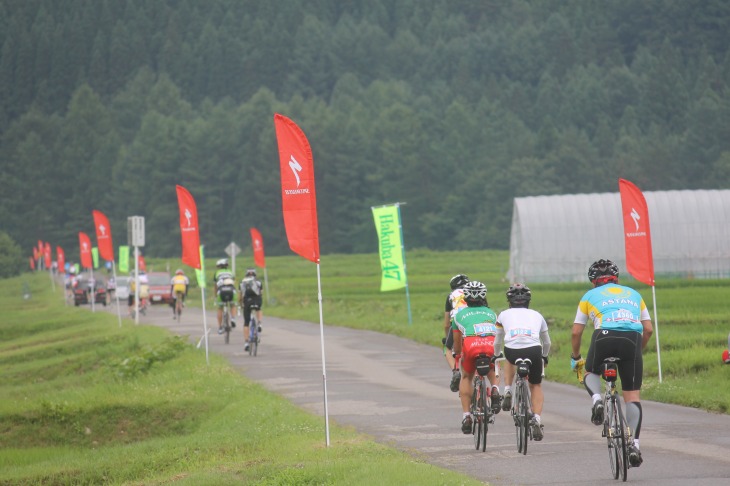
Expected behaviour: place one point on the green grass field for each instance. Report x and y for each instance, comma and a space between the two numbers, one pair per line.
87, 402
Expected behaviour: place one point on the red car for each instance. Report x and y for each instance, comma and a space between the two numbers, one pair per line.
159, 283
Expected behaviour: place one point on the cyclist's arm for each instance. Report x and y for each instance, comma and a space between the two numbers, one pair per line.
499, 340
457, 342
648, 331
576, 337
545, 341
447, 323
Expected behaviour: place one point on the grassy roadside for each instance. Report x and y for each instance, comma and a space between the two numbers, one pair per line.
88, 402
693, 318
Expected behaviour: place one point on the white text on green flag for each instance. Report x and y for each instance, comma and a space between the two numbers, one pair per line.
390, 244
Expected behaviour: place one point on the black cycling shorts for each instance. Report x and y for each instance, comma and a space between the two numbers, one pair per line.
534, 354
249, 304
625, 345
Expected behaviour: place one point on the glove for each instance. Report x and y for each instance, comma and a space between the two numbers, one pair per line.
545, 360
443, 341
495, 358
576, 364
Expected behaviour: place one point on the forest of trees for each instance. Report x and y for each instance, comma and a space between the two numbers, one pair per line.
452, 106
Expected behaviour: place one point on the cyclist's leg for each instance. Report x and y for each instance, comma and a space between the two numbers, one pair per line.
631, 370
598, 350
219, 305
468, 368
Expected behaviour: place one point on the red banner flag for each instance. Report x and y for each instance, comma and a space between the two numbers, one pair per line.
141, 264
32, 261
35, 253
189, 227
40, 248
299, 199
60, 259
637, 234
85, 250
258, 248
103, 236
47, 255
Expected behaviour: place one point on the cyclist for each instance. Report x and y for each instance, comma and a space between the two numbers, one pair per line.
223, 280
250, 298
622, 328
476, 323
179, 290
454, 302
524, 334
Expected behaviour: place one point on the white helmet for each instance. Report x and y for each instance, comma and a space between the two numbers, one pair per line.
222, 263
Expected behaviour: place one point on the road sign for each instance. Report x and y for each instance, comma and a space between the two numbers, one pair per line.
135, 230
232, 250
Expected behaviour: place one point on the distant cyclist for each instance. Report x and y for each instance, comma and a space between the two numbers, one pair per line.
179, 290
454, 302
474, 332
622, 328
250, 299
223, 279
524, 334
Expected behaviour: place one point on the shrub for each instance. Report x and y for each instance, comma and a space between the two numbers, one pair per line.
11, 256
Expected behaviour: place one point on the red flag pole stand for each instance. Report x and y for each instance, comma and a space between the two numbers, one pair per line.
656, 333
324, 371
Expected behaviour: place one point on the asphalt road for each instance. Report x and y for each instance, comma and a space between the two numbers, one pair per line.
397, 392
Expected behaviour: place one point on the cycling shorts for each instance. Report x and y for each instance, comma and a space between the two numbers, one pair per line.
534, 354
474, 346
180, 294
625, 345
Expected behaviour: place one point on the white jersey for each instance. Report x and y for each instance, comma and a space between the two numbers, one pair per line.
521, 327
457, 302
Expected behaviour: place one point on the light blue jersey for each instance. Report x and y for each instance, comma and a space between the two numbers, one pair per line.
614, 307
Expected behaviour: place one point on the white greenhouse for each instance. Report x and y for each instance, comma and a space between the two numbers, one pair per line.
556, 238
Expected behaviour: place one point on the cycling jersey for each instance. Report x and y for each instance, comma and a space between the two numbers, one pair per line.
521, 327
475, 321
455, 302
613, 307
179, 284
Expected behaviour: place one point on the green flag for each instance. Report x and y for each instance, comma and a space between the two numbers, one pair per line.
95, 256
200, 273
124, 258
390, 244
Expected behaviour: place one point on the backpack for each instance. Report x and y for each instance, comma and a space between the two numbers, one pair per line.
225, 286
250, 288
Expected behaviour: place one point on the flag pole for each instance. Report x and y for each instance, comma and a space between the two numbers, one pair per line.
405, 267
116, 294
205, 326
93, 289
656, 333
266, 283
324, 371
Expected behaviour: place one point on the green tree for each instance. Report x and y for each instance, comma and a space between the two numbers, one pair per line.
11, 256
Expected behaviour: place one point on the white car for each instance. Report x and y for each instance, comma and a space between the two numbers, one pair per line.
123, 287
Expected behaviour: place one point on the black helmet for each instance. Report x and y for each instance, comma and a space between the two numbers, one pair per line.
475, 291
602, 268
458, 281
518, 294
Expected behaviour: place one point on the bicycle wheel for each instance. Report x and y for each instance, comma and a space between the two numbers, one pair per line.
485, 403
610, 425
524, 416
476, 414
621, 445
226, 325
254, 338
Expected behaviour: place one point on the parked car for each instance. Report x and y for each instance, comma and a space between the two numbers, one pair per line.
122, 288
82, 290
160, 288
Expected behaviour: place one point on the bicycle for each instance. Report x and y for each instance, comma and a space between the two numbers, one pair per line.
227, 321
179, 296
615, 428
253, 337
481, 403
522, 404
